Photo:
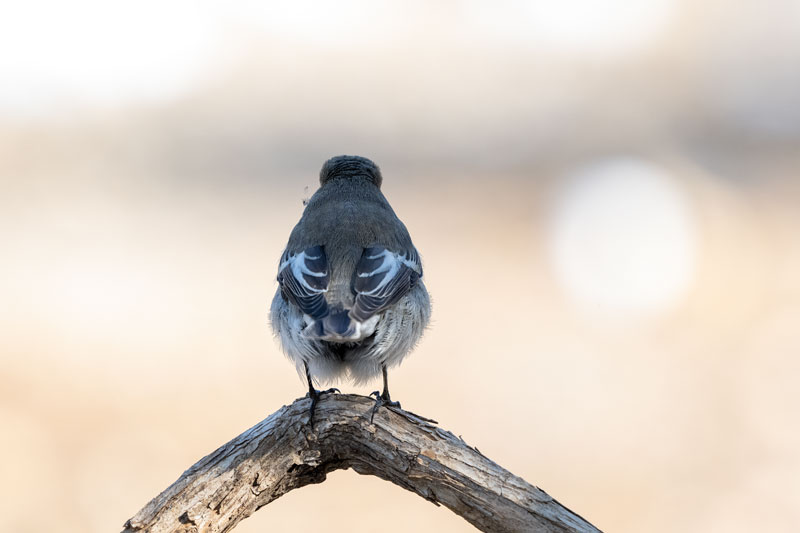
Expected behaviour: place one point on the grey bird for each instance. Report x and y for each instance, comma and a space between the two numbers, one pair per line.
351, 302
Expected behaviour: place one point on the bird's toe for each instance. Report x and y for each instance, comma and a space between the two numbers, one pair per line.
382, 400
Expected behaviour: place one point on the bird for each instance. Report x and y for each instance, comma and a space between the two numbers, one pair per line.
351, 302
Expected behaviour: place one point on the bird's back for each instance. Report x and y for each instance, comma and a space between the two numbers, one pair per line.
345, 219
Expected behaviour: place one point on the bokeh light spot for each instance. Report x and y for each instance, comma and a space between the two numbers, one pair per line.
622, 238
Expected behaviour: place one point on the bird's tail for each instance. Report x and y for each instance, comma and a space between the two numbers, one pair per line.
339, 326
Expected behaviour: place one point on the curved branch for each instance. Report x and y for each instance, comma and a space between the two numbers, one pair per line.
283, 453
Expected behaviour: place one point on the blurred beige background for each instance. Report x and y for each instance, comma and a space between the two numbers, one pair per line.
605, 195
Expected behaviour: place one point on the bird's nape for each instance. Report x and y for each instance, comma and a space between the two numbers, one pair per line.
350, 166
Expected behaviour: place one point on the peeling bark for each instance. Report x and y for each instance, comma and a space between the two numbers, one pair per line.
283, 453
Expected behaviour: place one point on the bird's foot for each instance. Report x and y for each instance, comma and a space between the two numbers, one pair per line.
315, 395
382, 400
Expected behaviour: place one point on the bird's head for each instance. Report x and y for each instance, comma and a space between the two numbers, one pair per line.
349, 167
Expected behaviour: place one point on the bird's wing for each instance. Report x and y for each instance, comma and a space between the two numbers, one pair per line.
304, 278
381, 278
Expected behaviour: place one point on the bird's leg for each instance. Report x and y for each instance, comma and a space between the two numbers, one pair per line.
384, 398
314, 394
385, 394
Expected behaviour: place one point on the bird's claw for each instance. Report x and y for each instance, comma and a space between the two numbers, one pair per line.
315, 396
381, 401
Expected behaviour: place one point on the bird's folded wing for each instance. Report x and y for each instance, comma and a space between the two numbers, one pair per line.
381, 278
304, 279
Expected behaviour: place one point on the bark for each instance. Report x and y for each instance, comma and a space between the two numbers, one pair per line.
284, 452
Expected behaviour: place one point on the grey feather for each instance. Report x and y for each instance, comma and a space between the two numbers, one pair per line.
303, 279
382, 277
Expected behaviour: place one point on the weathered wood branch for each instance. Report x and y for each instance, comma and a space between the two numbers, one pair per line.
283, 453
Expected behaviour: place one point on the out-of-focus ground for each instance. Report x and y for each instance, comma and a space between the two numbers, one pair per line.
607, 201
